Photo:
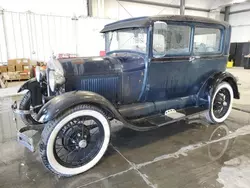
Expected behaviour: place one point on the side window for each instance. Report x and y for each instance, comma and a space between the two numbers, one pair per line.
170, 39
207, 40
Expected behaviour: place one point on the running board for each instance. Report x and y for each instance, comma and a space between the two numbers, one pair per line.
160, 120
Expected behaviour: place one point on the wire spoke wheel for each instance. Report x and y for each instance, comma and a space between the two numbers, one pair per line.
221, 103
79, 141
75, 141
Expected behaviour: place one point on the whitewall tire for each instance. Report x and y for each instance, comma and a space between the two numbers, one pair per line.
70, 130
220, 103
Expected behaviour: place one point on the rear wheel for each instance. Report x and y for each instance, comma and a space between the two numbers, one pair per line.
75, 141
221, 103
25, 104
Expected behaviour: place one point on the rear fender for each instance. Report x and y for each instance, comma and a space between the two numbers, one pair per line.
34, 87
212, 82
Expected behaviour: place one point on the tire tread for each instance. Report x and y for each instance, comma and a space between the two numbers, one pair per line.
49, 128
25, 105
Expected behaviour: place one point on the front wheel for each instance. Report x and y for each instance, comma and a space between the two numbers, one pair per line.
220, 104
25, 104
75, 141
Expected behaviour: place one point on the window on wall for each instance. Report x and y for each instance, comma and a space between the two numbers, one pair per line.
170, 39
207, 40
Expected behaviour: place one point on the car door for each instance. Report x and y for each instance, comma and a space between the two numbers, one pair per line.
169, 73
207, 56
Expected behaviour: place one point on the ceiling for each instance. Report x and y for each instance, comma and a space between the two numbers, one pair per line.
205, 4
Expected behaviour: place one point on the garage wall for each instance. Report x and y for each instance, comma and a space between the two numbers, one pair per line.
50, 7
121, 10
35, 36
240, 23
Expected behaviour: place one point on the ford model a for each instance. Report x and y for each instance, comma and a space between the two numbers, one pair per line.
157, 70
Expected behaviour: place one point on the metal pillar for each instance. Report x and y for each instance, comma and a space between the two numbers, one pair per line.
90, 8
5, 34
227, 11
182, 7
21, 33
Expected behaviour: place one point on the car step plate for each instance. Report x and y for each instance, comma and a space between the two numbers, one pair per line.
25, 141
171, 113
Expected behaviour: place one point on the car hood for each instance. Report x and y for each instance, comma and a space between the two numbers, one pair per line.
102, 65
90, 66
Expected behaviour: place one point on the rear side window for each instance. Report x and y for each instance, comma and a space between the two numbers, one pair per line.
207, 40
170, 39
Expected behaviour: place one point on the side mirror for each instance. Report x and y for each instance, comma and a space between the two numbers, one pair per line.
160, 25
159, 39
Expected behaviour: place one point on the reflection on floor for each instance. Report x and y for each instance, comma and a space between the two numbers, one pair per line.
179, 155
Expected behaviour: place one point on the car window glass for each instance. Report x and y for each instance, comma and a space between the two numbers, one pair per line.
128, 39
171, 40
206, 40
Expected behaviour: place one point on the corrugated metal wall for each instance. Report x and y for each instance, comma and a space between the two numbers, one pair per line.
35, 36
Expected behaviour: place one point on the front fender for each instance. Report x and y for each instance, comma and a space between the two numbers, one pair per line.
34, 88
29, 85
63, 102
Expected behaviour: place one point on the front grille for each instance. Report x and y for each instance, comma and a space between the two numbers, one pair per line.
107, 86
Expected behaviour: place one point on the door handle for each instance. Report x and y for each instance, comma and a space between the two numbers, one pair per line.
192, 58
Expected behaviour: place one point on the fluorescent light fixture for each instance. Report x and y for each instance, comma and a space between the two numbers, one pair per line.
238, 1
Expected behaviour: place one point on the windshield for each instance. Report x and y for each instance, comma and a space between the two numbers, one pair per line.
134, 39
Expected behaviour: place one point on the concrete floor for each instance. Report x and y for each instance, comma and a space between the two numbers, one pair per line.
243, 76
190, 155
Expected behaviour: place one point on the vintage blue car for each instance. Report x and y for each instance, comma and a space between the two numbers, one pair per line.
157, 70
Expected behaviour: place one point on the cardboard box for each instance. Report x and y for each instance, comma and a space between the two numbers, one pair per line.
19, 67
3, 69
11, 61
12, 75
26, 68
11, 68
22, 61
24, 75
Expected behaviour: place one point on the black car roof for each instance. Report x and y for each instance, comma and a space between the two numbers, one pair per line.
147, 20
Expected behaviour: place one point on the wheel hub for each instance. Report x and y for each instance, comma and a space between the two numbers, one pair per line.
79, 141
221, 103
82, 144
76, 137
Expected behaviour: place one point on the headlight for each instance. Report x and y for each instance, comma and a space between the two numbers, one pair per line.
55, 79
52, 81
56, 74
55, 65
38, 73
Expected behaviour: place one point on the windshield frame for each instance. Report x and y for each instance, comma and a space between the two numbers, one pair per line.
107, 42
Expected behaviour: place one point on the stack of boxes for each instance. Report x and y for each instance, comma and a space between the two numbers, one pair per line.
3, 69
17, 69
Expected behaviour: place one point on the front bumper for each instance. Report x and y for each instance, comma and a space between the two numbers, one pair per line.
22, 138
15, 110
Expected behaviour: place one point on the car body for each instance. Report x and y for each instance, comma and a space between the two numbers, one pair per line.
157, 70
